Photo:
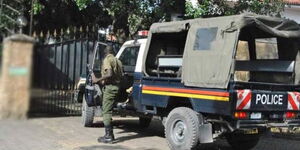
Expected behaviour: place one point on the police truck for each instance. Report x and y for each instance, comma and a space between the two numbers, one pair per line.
231, 77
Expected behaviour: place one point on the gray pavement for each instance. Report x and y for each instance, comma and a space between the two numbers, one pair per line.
67, 133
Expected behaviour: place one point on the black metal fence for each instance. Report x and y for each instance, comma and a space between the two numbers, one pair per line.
60, 59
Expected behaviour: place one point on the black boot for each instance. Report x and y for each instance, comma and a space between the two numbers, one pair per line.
108, 137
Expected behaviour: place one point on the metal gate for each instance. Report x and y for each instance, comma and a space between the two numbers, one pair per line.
58, 65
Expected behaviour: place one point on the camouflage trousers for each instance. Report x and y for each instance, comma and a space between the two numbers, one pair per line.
110, 94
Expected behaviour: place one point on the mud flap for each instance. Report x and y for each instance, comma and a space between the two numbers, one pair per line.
205, 133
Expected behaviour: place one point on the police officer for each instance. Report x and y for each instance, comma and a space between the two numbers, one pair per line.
111, 73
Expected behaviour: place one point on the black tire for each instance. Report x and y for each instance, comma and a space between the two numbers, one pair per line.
144, 122
182, 129
87, 115
242, 141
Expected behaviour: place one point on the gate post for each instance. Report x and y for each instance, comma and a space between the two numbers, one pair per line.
15, 77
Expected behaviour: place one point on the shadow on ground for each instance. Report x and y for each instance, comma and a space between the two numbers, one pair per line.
132, 126
156, 129
268, 140
108, 147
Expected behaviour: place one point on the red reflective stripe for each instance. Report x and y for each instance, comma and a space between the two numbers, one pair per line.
245, 101
240, 93
297, 94
291, 101
225, 94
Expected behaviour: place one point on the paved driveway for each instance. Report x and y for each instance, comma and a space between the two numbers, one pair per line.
66, 133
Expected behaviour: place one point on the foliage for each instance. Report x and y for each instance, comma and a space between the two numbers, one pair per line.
7, 17
192, 11
82, 4
266, 7
210, 8
133, 15
129, 16
37, 7
126, 16
207, 8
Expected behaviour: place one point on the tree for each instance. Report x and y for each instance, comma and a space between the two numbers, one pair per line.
211, 8
55, 14
9, 11
129, 16
266, 7
126, 16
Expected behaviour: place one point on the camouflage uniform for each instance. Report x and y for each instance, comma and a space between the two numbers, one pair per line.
111, 88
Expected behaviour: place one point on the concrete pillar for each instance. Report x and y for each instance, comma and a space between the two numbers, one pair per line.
16, 76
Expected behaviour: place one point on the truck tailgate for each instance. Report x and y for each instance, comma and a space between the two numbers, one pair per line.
259, 100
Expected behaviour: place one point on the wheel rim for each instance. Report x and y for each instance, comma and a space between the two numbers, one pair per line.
178, 132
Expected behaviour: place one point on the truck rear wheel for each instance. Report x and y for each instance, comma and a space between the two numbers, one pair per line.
242, 141
87, 114
182, 129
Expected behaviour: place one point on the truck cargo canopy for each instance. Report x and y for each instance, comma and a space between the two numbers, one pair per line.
211, 44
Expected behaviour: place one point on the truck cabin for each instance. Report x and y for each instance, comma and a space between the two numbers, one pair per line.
223, 51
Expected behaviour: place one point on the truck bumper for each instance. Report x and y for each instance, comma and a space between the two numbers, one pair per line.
266, 124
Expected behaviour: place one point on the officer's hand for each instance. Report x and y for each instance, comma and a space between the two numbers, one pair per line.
94, 79
102, 82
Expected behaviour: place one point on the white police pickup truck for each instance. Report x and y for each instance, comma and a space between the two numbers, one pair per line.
214, 77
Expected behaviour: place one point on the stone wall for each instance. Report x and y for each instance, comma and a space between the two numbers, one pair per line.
15, 76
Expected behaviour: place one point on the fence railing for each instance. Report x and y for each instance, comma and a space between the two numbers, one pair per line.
60, 59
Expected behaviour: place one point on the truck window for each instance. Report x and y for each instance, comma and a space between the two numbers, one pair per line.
271, 59
204, 38
165, 46
129, 56
266, 48
272, 63
242, 53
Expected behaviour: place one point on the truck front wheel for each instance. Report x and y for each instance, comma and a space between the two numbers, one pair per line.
87, 114
182, 129
242, 141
